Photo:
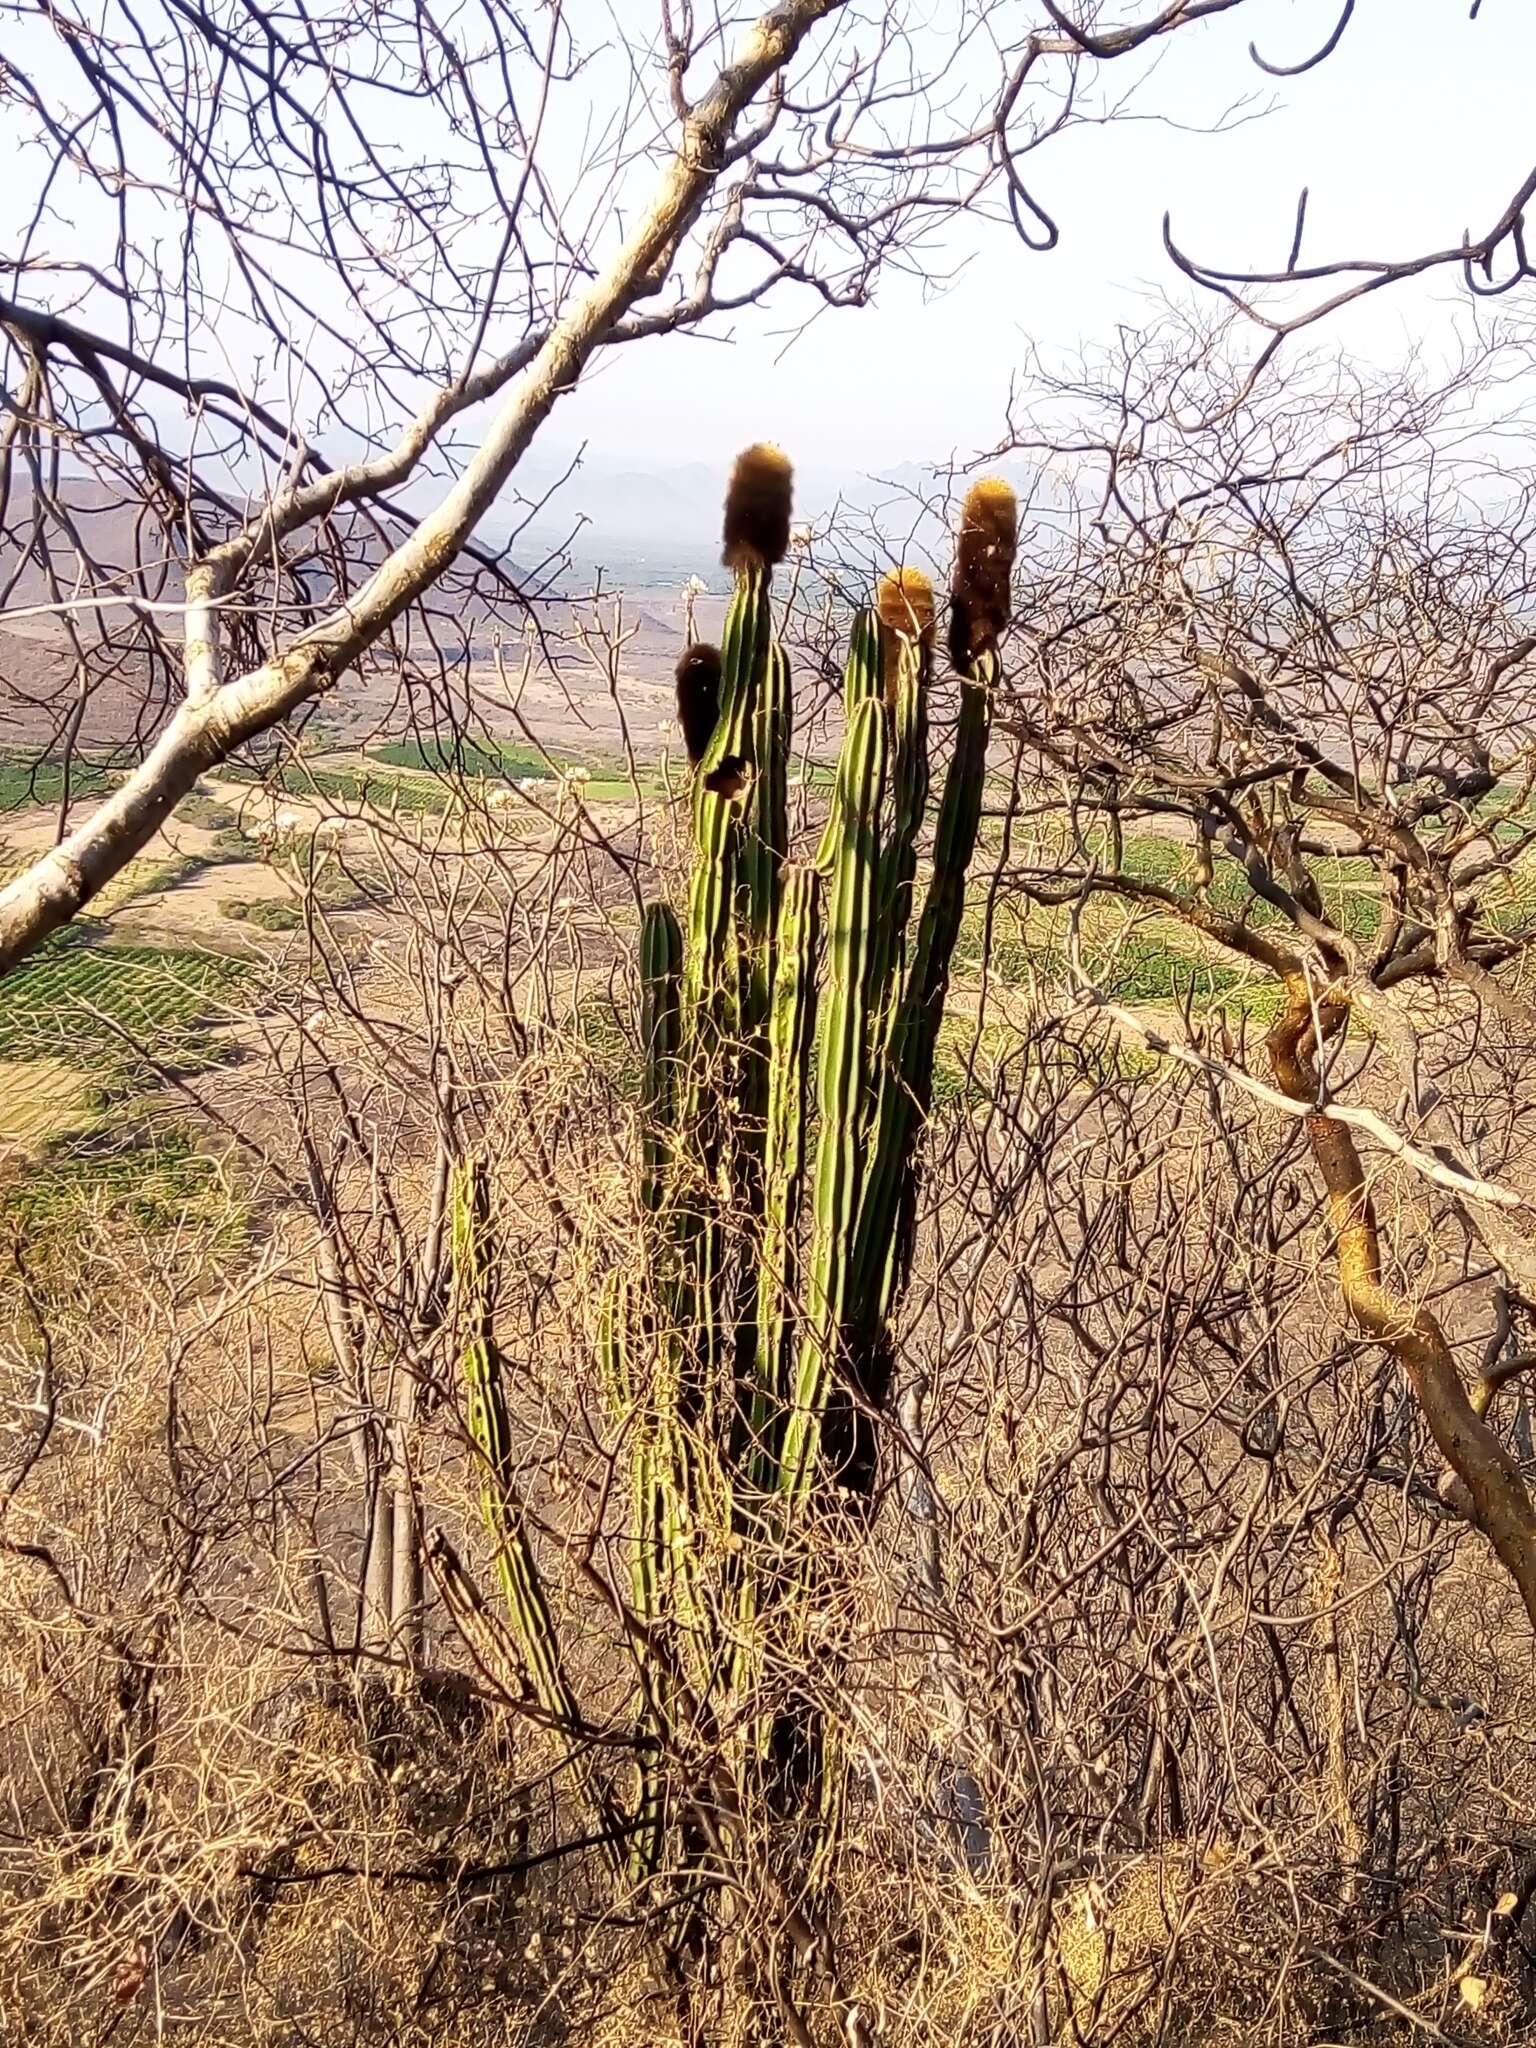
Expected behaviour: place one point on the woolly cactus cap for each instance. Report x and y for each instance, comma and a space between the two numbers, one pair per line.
698, 695
989, 536
757, 508
904, 601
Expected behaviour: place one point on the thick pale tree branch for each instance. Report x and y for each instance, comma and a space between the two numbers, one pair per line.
216, 716
1500, 1234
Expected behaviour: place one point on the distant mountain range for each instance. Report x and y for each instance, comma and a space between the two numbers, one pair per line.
644, 526
659, 525
647, 530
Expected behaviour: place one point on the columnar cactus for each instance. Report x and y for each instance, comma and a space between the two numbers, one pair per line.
774, 1278
758, 1309
848, 1049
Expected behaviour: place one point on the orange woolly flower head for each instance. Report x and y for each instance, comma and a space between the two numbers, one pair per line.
904, 601
904, 604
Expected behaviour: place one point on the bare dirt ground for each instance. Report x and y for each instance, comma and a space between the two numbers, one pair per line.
192, 913
152, 902
558, 684
245, 848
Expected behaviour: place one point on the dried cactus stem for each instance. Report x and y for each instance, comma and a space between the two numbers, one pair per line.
517, 1569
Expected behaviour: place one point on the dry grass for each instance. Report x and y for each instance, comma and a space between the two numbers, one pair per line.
225, 1820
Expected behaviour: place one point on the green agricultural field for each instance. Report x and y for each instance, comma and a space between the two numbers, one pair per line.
1350, 888
354, 786
1153, 960
75, 1000
153, 1176
24, 783
467, 757
268, 914
511, 760
605, 788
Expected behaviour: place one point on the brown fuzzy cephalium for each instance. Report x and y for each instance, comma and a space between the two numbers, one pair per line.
982, 599
698, 696
757, 508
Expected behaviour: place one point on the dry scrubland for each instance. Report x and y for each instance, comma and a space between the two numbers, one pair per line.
1249, 1715
631, 1416
872, 1394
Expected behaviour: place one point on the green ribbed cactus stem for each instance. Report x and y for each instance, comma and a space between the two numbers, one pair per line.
862, 673
661, 967
830, 1742
621, 1341
490, 1429
764, 843
911, 782
711, 986
980, 606
623, 1329
724, 776
624, 1340
791, 1036
736, 1278
906, 600
615, 1361
864, 670
841, 1088
883, 1248
765, 836
649, 1568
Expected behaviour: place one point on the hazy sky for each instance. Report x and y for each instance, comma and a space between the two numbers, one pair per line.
1420, 125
